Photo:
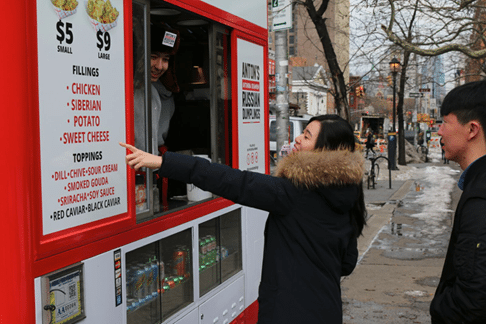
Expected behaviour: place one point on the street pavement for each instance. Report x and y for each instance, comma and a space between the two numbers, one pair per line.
402, 249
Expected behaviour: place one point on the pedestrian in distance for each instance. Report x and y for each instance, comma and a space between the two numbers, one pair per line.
420, 140
461, 294
446, 161
370, 143
316, 213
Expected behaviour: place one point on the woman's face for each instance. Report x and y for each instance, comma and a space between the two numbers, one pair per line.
159, 63
307, 140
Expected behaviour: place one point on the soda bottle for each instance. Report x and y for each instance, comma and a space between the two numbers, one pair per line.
138, 289
179, 260
213, 248
161, 273
188, 258
149, 279
155, 277
209, 250
202, 252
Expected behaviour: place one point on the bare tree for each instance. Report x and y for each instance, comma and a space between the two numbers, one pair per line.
426, 28
316, 10
446, 26
405, 26
432, 28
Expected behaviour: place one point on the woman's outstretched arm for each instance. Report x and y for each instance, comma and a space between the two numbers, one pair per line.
140, 159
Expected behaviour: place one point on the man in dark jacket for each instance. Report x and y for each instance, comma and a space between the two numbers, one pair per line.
370, 143
461, 294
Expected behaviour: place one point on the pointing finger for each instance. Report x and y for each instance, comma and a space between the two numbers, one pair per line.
128, 146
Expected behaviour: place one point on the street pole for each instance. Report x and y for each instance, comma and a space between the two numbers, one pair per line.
392, 136
401, 136
394, 99
282, 97
415, 123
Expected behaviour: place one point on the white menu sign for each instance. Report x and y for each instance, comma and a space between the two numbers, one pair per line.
251, 128
81, 111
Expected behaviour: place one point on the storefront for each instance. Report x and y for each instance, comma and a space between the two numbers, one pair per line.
88, 240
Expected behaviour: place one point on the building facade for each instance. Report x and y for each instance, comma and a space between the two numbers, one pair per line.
305, 49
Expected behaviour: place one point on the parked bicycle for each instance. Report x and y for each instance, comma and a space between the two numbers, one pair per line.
375, 171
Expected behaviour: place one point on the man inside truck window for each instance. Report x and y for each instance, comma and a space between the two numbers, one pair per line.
164, 43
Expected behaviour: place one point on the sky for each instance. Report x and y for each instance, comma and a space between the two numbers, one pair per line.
369, 45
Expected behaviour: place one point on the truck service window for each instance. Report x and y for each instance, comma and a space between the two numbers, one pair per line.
182, 98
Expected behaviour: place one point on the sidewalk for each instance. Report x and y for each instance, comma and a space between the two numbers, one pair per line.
380, 204
400, 257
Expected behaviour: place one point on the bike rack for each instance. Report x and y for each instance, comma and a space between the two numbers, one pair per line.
373, 161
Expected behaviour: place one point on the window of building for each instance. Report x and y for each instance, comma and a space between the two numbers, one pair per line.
187, 108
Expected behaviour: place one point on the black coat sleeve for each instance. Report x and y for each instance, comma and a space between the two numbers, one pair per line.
247, 188
464, 299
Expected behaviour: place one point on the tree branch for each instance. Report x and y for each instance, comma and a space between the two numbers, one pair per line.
408, 46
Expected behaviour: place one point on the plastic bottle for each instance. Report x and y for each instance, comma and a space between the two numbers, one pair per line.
202, 252
155, 277
139, 283
156, 195
210, 251
148, 282
161, 273
214, 251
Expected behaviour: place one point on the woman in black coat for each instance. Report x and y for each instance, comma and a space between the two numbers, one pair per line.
316, 210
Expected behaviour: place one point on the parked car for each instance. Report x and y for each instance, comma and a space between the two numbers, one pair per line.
297, 125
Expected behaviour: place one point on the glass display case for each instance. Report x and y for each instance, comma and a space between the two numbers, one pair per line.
219, 250
159, 279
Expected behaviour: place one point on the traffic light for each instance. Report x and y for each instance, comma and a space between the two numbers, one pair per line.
361, 91
432, 122
357, 91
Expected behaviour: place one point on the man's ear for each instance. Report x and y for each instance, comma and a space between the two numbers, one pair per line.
475, 129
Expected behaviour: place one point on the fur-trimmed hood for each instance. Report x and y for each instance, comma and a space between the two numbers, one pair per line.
318, 168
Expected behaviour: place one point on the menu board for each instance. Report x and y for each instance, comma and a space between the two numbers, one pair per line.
81, 68
251, 129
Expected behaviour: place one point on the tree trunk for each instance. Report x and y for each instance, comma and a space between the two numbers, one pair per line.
401, 94
340, 99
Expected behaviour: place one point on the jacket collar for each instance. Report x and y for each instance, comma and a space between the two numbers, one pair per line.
313, 169
472, 169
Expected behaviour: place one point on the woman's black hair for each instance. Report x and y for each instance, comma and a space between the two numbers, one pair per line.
336, 133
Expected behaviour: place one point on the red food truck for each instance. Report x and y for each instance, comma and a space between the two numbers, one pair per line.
84, 238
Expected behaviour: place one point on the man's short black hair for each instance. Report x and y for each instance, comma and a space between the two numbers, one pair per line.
467, 102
